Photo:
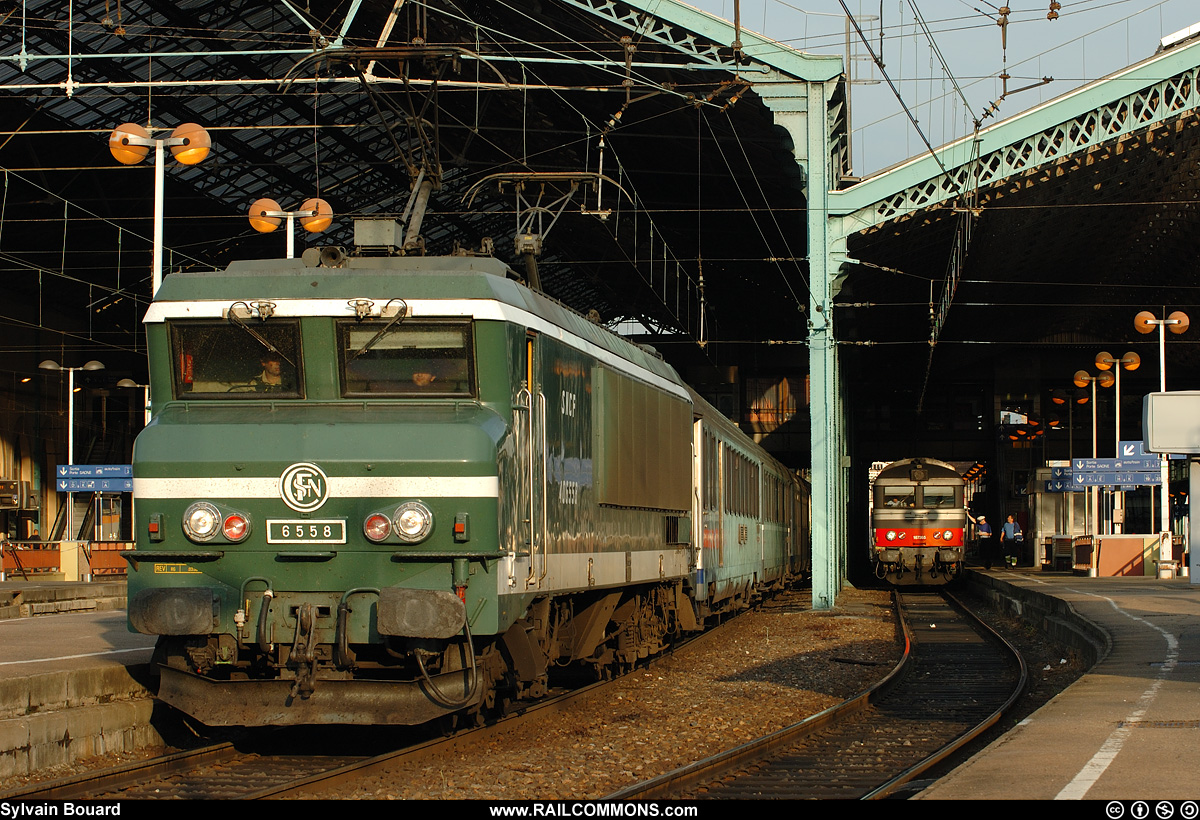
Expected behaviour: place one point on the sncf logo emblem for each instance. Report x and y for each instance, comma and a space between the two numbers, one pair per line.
303, 487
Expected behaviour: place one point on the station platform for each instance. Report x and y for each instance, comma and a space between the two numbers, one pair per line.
74, 682
1126, 730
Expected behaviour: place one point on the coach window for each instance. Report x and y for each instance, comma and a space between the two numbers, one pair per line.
408, 359
233, 360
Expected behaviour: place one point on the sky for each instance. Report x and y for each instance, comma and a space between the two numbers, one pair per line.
1090, 39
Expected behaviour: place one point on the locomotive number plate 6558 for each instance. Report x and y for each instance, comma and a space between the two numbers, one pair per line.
306, 531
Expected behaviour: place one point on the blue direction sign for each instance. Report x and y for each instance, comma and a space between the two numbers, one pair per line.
1060, 473
95, 471
94, 485
1063, 485
1108, 479
1110, 465
1126, 449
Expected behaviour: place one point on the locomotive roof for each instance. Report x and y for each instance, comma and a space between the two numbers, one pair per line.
936, 469
380, 278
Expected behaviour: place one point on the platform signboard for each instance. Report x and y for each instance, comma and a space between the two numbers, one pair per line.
1134, 464
94, 485
95, 471
1111, 479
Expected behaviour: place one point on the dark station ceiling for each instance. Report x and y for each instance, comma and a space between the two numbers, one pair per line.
699, 182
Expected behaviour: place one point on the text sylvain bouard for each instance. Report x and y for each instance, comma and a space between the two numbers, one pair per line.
63, 809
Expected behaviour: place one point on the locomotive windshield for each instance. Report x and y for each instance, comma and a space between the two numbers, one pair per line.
408, 359
224, 360
904, 496
942, 497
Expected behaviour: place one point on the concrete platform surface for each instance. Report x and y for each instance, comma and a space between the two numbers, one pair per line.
1127, 730
74, 682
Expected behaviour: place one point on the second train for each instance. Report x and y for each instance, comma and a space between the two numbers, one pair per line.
918, 523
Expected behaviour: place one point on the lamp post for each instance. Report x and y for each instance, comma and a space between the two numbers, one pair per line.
130, 383
1177, 322
130, 143
1130, 361
1104, 379
51, 365
315, 216
1070, 398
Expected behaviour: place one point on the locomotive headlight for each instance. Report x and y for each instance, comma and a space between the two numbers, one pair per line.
937, 536
947, 535
377, 527
413, 522
891, 535
236, 527
201, 521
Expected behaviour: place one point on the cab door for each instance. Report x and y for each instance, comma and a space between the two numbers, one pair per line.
530, 417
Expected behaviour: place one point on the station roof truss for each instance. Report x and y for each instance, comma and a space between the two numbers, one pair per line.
1048, 230
499, 104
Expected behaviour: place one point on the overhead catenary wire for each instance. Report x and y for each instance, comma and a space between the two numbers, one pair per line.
899, 97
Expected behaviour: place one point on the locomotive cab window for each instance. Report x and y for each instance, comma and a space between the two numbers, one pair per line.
898, 497
940, 497
224, 360
410, 359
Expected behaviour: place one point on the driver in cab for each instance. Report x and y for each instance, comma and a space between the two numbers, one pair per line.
270, 380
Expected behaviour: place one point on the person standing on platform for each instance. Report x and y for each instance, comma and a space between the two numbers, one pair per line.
983, 538
1011, 541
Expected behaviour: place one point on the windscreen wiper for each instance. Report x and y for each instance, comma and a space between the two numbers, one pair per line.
236, 321
400, 314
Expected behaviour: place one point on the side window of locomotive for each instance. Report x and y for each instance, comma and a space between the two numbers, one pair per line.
939, 497
410, 359
898, 496
220, 360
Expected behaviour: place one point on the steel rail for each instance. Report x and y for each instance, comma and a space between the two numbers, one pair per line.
176, 766
684, 779
893, 785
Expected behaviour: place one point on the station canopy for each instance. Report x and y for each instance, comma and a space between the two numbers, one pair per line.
662, 191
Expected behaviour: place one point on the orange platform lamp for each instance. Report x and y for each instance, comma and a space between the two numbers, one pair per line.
1105, 379
1130, 361
130, 143
315, 216
1178, 322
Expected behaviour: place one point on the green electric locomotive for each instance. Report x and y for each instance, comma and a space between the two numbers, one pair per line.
389, 489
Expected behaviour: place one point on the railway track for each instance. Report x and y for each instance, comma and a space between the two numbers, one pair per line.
956, 679
260, 768
268, 766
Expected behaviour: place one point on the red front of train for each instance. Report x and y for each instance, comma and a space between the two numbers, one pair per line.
919, 520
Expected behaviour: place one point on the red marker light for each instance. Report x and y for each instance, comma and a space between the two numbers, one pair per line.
235, 527
377, 527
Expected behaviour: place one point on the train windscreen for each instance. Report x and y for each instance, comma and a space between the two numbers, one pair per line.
902, 496
233, 360
409, 359
939, 497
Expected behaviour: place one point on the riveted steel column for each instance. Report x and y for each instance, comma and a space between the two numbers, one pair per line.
801, 108
826, 409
